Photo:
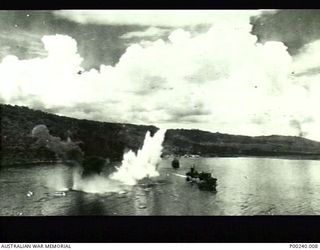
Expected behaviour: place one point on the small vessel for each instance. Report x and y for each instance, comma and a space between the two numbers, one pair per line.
204, 180
175, 163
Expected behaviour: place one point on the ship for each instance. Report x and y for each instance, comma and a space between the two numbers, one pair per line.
204, 180
175, 163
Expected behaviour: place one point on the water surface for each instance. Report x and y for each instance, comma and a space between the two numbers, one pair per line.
246, 186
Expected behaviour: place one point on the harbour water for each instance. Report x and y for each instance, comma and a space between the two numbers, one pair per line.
246, 186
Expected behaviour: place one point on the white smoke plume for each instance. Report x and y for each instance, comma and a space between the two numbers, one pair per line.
57, 179
219, 80
135, 167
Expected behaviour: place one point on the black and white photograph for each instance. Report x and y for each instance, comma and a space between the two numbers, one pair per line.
160, 112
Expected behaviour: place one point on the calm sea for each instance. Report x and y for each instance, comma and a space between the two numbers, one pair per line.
246, 186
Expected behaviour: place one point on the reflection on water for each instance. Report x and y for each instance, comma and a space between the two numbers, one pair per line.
246, 186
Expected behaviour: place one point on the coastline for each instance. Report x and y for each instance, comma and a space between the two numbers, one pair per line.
287, 157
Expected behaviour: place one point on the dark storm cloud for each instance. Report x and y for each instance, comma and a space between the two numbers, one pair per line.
294, 28
21, 33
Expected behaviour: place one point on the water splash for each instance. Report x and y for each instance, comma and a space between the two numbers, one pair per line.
58, 178
95, 184
135, 167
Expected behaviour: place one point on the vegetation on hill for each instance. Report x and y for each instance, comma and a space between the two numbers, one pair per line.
181, 141
107, 140
111, 140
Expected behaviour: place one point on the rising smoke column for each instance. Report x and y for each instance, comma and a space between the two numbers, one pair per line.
135, 167
66, 150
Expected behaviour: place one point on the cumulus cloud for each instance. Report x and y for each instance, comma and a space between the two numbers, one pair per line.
308, 57
51, 79
293, 27
218, 80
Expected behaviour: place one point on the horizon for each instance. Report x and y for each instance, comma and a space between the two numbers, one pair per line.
241, 72
147, 125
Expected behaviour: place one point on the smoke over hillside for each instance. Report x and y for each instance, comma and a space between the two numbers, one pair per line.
66, 150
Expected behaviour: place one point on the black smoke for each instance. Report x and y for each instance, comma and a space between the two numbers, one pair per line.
69, 151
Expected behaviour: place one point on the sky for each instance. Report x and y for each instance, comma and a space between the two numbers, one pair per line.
248, 72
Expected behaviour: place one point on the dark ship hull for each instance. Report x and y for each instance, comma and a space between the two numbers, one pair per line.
175, 163
204, 180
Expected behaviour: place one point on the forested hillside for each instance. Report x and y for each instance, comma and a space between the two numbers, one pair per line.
111, 140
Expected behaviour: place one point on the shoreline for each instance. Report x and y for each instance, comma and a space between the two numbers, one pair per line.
293, 157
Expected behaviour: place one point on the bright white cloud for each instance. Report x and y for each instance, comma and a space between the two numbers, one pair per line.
52, 79
220, 80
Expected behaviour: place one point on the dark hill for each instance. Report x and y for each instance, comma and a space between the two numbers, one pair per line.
111, 140
107, 140
204, 143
